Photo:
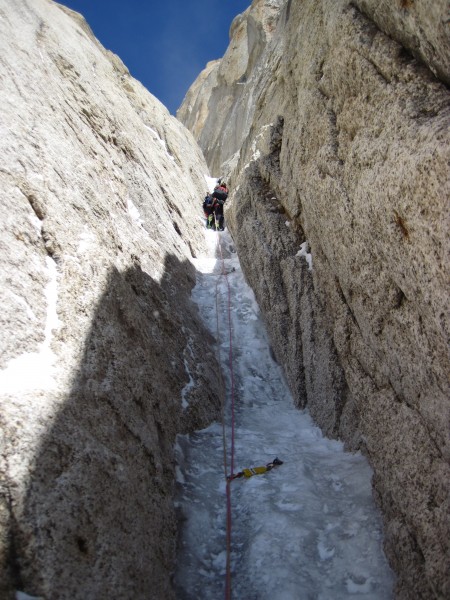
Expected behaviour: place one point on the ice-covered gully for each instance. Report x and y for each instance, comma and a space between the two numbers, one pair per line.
307, 529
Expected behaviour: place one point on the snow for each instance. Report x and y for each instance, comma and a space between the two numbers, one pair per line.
86, 241
161, 142
306, 529
134, 212
211, 182
307, 255
256, 154
37, 223
38, 366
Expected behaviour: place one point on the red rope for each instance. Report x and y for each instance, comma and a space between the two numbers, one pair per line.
228, 567
232, 394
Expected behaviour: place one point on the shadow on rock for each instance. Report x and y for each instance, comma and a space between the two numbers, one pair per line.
97, 521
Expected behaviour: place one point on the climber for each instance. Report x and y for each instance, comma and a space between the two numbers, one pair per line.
256, 470
208, 210
220, 194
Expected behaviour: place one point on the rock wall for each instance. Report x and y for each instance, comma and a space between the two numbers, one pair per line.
330, 120
103, 358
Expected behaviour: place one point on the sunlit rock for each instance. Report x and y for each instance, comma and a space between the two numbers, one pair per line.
101, 350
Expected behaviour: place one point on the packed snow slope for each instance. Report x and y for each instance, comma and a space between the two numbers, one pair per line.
307, 529
331, 121
103, 357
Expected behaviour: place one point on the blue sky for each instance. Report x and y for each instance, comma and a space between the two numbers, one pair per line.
164, 43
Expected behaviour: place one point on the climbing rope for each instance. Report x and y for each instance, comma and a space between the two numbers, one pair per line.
231, 475
221, 381
228, 477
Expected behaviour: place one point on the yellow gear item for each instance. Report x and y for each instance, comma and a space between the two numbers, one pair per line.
254, 471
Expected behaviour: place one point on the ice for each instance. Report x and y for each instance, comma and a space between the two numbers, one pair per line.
306, 529
187, 388
23, 596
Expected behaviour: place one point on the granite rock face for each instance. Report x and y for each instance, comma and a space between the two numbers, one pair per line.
103, 358
331, 121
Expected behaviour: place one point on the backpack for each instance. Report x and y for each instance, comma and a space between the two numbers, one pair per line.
220, 193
